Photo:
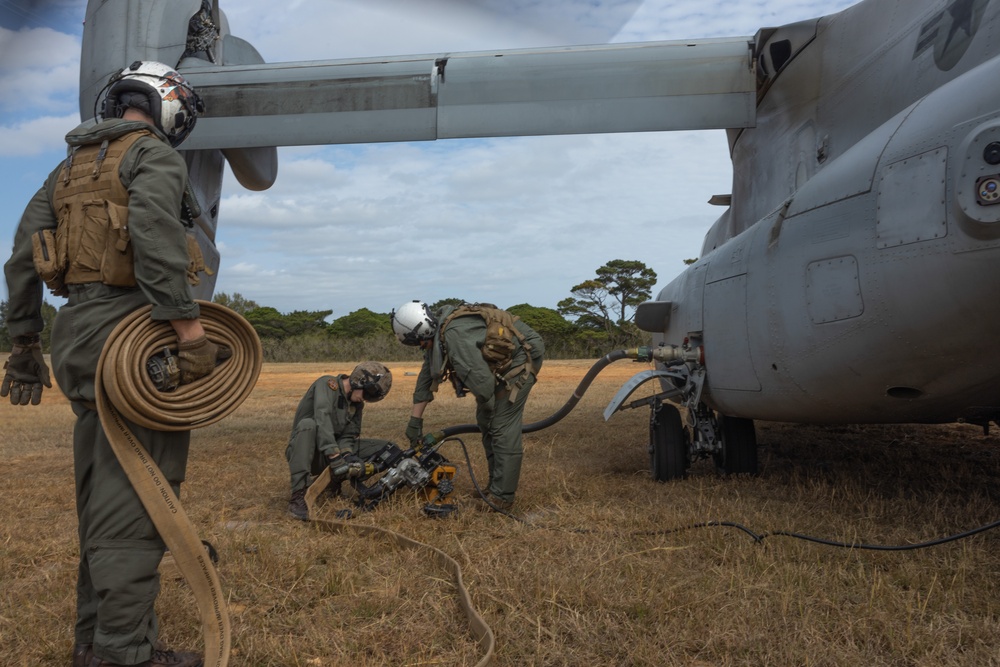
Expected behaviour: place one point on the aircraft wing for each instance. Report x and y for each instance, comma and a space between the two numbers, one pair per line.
652, 86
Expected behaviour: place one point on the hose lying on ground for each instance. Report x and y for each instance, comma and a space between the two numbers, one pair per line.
480, 630
477, 626
581, 389
124, 389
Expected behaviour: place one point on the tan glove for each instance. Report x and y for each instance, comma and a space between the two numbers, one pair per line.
347, 465
197, 358
25, 371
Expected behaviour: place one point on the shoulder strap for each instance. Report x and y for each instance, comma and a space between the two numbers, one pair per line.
488, 312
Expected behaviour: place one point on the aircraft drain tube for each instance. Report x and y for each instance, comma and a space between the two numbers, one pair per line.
124, 389
638, 354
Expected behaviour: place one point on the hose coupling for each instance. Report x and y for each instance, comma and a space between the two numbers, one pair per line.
431, 439
669, 355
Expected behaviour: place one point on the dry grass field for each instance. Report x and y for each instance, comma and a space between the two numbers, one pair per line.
595, 574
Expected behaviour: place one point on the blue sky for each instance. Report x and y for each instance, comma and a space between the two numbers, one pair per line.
510, 220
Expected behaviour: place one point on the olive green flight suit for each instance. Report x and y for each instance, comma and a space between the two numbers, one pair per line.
499, 419
326, 423
120, 549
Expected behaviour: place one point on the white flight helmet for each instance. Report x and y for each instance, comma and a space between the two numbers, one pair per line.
157, 90
413, 323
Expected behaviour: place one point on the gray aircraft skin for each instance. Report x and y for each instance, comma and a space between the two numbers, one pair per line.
850, 276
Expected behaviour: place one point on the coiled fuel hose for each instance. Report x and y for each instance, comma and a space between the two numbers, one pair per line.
124, 389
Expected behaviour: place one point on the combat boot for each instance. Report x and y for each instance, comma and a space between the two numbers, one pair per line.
159, 659
297, 505
82, 655
491, 503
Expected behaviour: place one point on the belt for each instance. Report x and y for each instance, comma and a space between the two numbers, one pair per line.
83, 292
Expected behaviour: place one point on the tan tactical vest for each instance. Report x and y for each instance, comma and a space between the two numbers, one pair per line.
91, 242
498, 347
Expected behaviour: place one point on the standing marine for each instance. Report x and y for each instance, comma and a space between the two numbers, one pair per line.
326, 429
488, 352
108, 231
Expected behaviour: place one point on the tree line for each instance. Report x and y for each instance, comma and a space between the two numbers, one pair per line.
596, 319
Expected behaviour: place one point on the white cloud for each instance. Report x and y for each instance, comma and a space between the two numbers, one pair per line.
671, 20
539, 214
381, 27
39, 68
36, 136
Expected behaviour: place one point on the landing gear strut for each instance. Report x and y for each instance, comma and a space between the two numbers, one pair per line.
681, 372
673, 446
730, 441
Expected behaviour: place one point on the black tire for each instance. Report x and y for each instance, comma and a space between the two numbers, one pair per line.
668, 444
739, 446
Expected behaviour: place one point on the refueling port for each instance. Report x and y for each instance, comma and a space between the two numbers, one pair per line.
988, 190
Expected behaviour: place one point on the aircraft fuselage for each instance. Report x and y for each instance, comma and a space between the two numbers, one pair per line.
854, 277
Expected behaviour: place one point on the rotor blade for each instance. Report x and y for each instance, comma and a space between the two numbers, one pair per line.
568, 22
580, 21
704, 84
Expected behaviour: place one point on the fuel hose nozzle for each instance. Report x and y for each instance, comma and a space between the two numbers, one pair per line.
163, 370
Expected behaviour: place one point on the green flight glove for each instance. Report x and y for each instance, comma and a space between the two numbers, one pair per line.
197, 358
25, 371
415, 430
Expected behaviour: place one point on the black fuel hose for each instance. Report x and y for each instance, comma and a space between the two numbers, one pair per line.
581, 389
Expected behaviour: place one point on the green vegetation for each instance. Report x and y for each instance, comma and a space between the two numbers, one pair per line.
48, 315
605, 305
596, 320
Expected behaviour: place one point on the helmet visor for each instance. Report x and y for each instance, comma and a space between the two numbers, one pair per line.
373, 380
372, 392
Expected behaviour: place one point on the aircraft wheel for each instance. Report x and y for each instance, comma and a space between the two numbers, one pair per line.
739, 446
668, 444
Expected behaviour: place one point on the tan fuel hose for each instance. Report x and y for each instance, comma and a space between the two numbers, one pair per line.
125, 390
482, 632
